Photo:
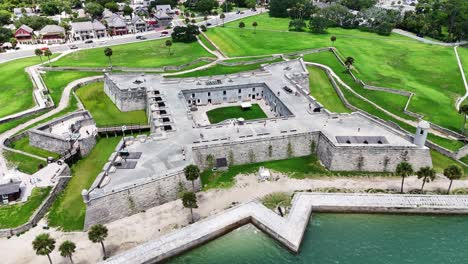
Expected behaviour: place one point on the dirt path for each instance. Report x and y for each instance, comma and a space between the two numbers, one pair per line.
137, 229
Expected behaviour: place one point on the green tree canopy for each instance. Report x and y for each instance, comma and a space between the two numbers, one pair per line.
43, 244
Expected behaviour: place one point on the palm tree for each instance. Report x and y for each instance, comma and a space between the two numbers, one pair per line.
404, 169
192, 172
427, 174
452, 172
97, 234
463, 110
255, 24
44, 245
222, 16
48, 53
168, 45
333, 39
241, 26
189, 200
108, 53
67, 248
348, 62
39, 53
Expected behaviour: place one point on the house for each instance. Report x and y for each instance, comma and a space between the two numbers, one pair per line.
52, 34
10, 190
23, 11
116, 25
163, 19
165, 8
138, 24
24, 35
87, 30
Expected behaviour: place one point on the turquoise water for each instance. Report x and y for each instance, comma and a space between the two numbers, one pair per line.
347, 238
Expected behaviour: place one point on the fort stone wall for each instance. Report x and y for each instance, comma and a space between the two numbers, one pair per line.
125, 99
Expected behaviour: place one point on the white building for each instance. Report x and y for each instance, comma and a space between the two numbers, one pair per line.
87, 30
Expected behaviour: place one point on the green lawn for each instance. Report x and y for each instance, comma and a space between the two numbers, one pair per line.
68, 211
145, 54
23, 145
56, 81
15, 86
396, 61
219, 69
103, 109
18, 214
440, 162
24, 163
206, 42
300, 168
322, 89
220, 114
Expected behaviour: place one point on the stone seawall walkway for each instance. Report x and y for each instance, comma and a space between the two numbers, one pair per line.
289, 230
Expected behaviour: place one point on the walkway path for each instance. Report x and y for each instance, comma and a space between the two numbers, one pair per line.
427, 41
460, 66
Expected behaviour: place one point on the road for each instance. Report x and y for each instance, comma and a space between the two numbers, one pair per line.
149, 35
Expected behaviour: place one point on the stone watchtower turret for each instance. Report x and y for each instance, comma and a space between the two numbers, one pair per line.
421, 133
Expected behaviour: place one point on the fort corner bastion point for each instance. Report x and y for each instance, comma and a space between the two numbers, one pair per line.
296, 125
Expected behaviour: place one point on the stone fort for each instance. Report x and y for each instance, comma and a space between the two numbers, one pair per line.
148, 170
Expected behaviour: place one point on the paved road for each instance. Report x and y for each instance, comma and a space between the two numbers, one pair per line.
150, 35
428, 41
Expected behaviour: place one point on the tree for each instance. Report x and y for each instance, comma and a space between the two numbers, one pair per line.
5, 34
463, 110
358, 4
241, 26
13, 42
35, 22
50, 8
43, 244
192, 172
427, 174
255, 25
222, 16
189, 200
168, 45
67, 248
97, 234
203, 28
404, 169
250, 3
318, 24
333, 39
279, 8
452, 172
94, 9
5, 17
127, 10
227, 6
205, 18
205, 6
39, 53
108, 53
112, 6
48, 53
349, 62
297, 25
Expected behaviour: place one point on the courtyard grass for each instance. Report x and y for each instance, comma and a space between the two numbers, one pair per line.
145, 54
103, 110
299, 168
23, 145
16, 89
23, 163
56, 81
17, 214
429, 71
68, 210
322, 90
219, 69
220, 114
440, 162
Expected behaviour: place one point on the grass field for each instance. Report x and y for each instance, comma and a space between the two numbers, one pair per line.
220, 114
24, 163
15, 86
430, 71
146, 54
68, 211
18, 214
219, 69
23, 144
206, 42
103, 109
299, 168
440, 162
56, 81
322, 89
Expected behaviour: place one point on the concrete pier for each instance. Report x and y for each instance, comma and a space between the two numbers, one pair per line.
289, 230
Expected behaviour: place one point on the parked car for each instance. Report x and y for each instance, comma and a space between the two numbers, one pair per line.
164, 33
420, 35
142, 38
88, 41
287, 89
138, 37
208, 24
44, 48
73, 47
